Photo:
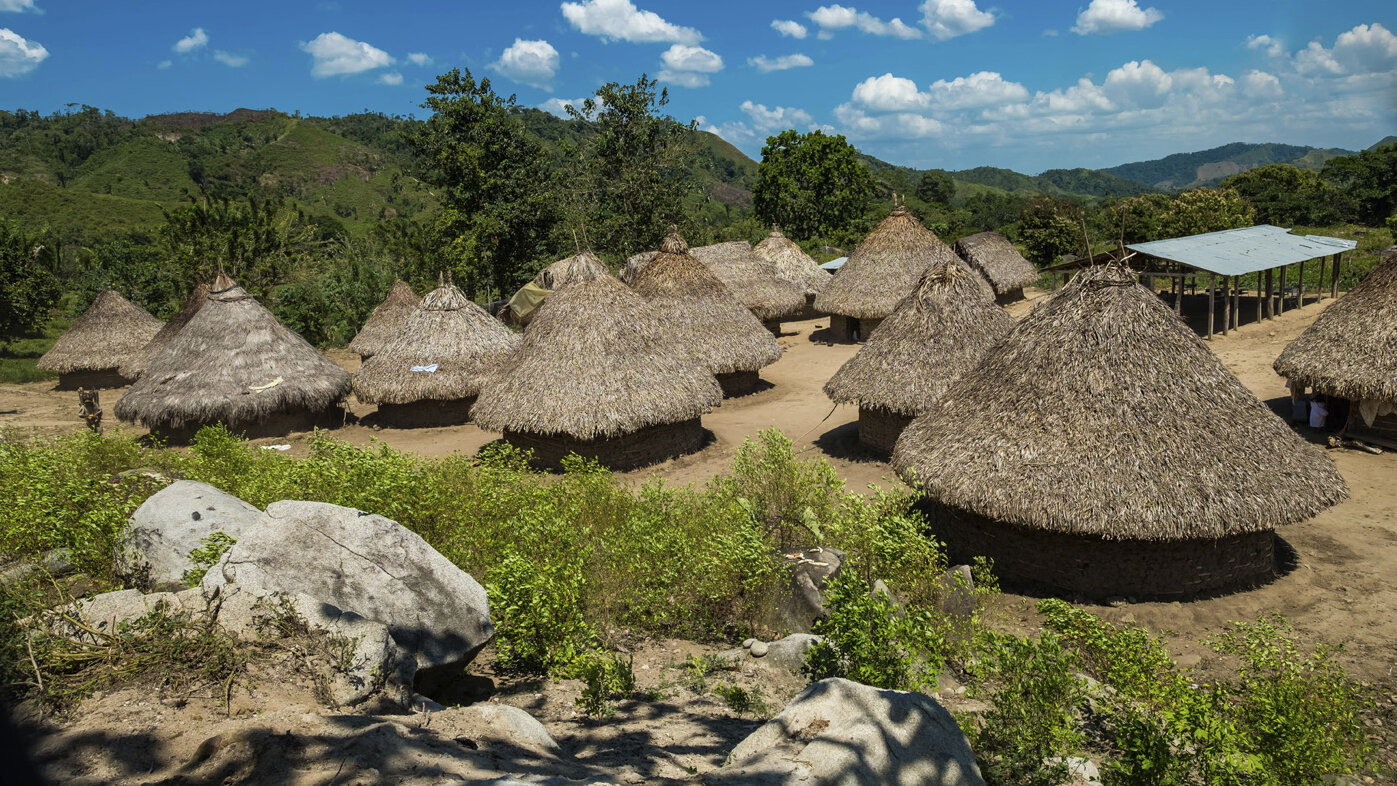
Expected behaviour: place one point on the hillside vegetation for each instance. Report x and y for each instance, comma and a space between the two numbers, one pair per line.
1209, 167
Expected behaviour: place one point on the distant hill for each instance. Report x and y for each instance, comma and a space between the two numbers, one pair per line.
1384, 142
1209, 167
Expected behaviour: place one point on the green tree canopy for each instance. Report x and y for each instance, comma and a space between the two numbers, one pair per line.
936, 187
1285, 195
498, 192
1371, 179
1206, 210
1050, 227
810, 184
633, 174
28, 288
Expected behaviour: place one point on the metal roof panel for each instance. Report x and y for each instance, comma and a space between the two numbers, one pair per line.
1236, 252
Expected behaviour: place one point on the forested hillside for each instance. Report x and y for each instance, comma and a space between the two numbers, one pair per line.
1210, 167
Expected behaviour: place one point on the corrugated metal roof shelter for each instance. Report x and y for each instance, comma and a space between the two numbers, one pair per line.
1221, 257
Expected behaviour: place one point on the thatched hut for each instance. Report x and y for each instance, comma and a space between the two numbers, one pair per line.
136, 365
883, 270
234, 363
794, 265
529, 298
705, 319
598, 376
1350, 352
109, 333
994, 257
1103, 450
940, 332
636, 263
386, 321
430, 373
752, 280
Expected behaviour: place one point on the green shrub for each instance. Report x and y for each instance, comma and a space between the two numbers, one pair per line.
869, 639
604, 677
209, 551
743, 701
788, 497
538, 614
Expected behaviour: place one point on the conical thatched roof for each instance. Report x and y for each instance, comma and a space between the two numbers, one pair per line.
884, 269
109, 333
386, 321
595, 362
997, 260
940, 332
751, 279
583, 264
636, 263
136, 365
1102, 414
1351, 349
792, 263
212, 369
703, 316
447, 331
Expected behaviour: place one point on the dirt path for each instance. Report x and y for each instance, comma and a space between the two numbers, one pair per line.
1342, 589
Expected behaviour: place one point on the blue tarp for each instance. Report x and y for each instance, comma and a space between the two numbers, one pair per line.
1236, 252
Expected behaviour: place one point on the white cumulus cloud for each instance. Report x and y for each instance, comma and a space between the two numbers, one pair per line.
983, 88
18, 55
949, 18
1259, 84
1137, 84
1115, 16
197, 39
620, 20
18, 6
689, 66
888, 93
789, 28
784, 62
337, 55
1273, 47
1367, 49
419, 58
390, 78
230, 59
528, 62
558, 106
777, 118
830, 18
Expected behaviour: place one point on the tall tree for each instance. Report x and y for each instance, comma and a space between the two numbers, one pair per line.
810, 184
28, 288
1051, 227
1370, 178
1284, 195
936, 187
634, 171
497, 190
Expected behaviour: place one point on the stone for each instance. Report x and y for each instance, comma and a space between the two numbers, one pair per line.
57, 563
747, 643
108, 612
173, 522
811, 570
837, 731
758, 649
1080, 771
368, 564
789, 653
959, 599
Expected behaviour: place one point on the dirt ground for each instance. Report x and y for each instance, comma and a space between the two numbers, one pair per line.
1341, 589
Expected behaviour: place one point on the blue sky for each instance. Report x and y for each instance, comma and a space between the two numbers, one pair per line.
1023, 84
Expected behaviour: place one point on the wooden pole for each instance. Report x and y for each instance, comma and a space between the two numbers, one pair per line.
1280, 306
1334, 284
1300, 301
1212, 285
1320, 293
1270, 294
1179, 290
1258, 297
1236, 303
1226, 305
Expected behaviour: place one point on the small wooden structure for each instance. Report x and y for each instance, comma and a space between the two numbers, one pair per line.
1219, 260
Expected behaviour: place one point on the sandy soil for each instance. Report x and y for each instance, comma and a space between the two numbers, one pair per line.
1340, 591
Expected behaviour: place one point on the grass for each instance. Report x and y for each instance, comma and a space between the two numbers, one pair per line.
19, 356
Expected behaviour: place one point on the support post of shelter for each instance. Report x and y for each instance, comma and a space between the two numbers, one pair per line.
1280, 305
1212, 285
1334, 281
1236, 303
1319, 295
1270, 294
1259, 315
1179, 292
1300, 301
1226, 305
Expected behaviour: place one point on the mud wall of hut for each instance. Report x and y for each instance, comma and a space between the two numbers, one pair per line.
880, 428
628, 451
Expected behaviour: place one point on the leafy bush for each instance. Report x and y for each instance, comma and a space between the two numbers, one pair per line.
537, 610
209, 551
603, 677
870, 640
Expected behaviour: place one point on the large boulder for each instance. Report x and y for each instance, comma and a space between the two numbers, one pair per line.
367, 564
811, 570
842, 732
174, 522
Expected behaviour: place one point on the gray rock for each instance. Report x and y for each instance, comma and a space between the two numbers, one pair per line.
108, 612
1082, 772
804, 602
789, 653
758, 649
959, 599
367, 564
365, 660
174, 522
838, 732
56, 563
747, 643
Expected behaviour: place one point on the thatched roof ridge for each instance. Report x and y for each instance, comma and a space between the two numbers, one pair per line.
997, 260
791, 262
635, 263
109, 333
703, 317
1351, 348
940, 332
884, 268
136, 364
386, 320
449, 331
1102, 414
596, 361
210, 371
584, 264
751, 279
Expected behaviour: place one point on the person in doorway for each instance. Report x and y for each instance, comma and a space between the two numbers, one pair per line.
1319, 412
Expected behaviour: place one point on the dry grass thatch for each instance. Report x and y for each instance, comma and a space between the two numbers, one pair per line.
136, 365
1351, 349
751, 279
940, 332
595, 363
109, 333
448, 330
1102, 414
636, 263
212, 369
583, 265
884, 269
792, 263
386, 321
997, 260
703, 317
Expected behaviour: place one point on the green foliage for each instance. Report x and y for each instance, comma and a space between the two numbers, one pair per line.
1051, 227
743, 701
538, 614
1035, 696
870, 639
787, 496
1285, 195
208, 552
936, 186
28, 288
604, 677
810, 184
1370, 179
1206, 210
